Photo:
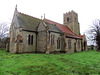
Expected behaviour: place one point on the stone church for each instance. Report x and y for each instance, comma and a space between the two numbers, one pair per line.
33, 35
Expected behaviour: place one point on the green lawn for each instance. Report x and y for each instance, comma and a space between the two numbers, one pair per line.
83, 63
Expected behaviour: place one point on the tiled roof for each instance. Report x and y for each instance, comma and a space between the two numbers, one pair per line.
28, 22
63, 28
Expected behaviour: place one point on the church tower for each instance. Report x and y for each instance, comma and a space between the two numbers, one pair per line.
71, 20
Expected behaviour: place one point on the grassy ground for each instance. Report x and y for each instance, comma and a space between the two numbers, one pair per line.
83, 63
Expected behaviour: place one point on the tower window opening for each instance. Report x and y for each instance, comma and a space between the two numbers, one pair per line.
68, 19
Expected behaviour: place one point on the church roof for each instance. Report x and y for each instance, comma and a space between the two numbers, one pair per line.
28, 22
63, 28
52, 27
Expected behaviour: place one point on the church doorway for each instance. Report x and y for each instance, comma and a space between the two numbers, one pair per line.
75, 47
19, 44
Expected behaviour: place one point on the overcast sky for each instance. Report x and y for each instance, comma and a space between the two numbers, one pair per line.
88, 10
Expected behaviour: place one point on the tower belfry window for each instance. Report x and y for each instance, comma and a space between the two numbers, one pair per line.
67, 19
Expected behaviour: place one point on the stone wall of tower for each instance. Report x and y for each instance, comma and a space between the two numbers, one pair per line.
71, 20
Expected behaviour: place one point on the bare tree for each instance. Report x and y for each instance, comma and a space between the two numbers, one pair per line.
94, 33
4, 30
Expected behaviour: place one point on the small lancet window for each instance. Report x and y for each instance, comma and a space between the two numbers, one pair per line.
32, 40
29, 40
52, 40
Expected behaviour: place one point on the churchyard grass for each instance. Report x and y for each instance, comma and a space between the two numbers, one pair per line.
82, 63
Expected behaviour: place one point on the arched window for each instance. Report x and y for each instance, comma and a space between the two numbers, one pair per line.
32, 40
69, 44
67, 19
57, 44
52, 40
29, 39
